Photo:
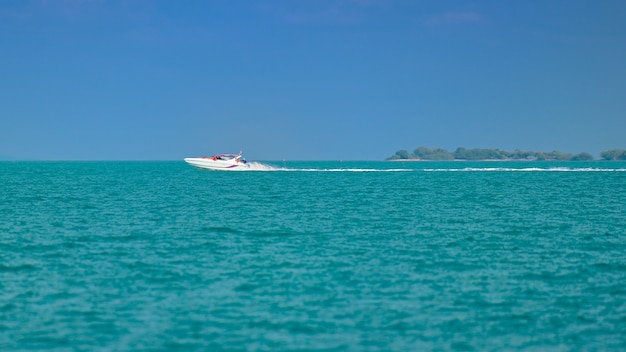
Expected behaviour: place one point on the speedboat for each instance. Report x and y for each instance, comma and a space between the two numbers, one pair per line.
219, 162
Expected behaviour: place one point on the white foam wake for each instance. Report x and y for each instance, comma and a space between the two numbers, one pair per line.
528, 169
256, 166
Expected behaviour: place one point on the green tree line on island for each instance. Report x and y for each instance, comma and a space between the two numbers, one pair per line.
424, 153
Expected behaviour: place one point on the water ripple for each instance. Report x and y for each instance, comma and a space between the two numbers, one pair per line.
159, 256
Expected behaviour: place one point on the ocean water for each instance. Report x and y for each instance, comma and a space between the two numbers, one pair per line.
355, 256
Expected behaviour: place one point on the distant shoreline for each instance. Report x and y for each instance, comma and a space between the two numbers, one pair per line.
479, 154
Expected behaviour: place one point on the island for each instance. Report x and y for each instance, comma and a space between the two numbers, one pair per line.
475, 154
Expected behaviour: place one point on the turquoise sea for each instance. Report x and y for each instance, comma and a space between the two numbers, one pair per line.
354, 256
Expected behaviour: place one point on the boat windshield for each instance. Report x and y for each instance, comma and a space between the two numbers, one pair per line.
226, 156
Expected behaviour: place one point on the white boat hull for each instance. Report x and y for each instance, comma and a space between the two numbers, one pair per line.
211, 164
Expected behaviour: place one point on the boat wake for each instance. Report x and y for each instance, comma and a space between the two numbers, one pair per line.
256, 166
528, 169
349, 170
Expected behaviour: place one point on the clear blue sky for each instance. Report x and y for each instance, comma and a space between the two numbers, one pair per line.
308, 79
